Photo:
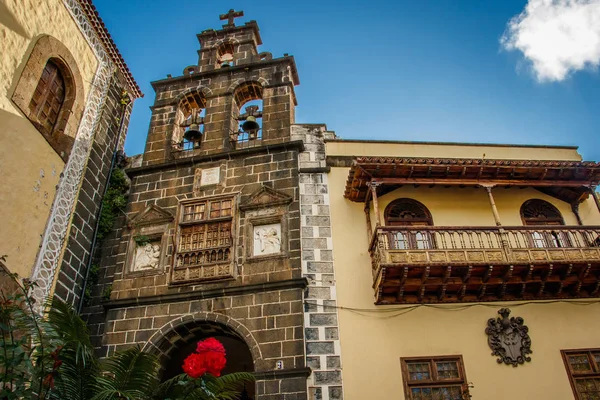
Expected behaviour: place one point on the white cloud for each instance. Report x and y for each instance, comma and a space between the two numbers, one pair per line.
558, 37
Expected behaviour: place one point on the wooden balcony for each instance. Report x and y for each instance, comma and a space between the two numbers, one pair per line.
468, 264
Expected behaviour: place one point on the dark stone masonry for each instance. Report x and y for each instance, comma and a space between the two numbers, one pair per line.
213, 241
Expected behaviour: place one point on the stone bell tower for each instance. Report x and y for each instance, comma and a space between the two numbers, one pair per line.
199, 113
210, 245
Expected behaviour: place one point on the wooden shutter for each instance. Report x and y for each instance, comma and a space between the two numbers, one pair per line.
47, 99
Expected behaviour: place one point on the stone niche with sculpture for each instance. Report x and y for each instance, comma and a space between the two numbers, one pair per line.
148, 242
265, 215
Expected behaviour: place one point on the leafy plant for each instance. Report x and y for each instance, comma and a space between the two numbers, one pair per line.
141, 240
114, 202
51, 357
182, 387
92, 281
106, 292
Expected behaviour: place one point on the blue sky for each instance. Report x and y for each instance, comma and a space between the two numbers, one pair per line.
431, 70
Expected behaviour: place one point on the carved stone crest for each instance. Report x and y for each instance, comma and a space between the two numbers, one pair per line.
508, 338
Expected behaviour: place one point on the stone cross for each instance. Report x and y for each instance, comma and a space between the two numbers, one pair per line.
230, 16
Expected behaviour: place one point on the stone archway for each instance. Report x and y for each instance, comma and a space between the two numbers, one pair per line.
177, 339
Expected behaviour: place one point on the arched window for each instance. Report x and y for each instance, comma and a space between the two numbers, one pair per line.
247, 112
50, 94
225, 55
539, 212
48, 99
409, 213
189, 121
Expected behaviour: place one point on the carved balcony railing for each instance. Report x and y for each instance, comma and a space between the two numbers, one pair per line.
203, 264
443, 264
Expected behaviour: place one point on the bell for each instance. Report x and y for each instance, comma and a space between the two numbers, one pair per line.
225, 65
250, 125
193, 133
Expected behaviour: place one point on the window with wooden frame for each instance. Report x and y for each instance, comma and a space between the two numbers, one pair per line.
409, 213
50, 94
434, 378
536, 212
583, 368
48, 99
205, 232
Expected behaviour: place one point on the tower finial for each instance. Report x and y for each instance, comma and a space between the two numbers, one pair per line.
230, 16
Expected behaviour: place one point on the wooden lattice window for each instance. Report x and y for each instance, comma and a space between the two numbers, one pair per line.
583, 367
434, 378
48, 98
205, 236
409, 212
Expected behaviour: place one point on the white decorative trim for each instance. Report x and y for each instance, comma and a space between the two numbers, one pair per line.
47, 263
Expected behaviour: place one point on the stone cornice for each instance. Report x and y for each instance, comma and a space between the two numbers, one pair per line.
297, 283
192, 160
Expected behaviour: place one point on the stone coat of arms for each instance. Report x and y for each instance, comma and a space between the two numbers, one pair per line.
508, 338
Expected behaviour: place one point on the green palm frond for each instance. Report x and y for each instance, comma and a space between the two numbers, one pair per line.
130, 374
228, 387
67, 328
76, 375
182, 387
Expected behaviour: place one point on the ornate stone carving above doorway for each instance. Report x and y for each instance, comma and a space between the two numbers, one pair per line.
509, 338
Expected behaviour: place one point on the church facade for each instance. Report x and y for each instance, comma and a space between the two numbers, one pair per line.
338, 269
219, 238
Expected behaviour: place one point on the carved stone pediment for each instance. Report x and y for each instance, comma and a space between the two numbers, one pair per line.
152, 215
265, 197
509, 339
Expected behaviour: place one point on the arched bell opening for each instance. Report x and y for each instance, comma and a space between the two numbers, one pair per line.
189, 121
181, 341
247, 115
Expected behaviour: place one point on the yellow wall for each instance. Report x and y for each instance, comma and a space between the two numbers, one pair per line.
390, 149
29, 167
454, 206
372, 341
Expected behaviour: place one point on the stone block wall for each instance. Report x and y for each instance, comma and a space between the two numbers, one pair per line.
244, 38
244, 173
265, 295
274, 319
109, 135
323, 354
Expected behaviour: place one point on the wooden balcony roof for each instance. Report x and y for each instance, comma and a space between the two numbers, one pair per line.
566, 180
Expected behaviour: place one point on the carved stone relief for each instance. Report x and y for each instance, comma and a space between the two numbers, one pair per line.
146, 253
147, 257
265, 214
508, 338
267, 239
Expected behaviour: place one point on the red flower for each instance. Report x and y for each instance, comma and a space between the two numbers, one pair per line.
214, 362
210, 358
210, 344
49, 381
193, 365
